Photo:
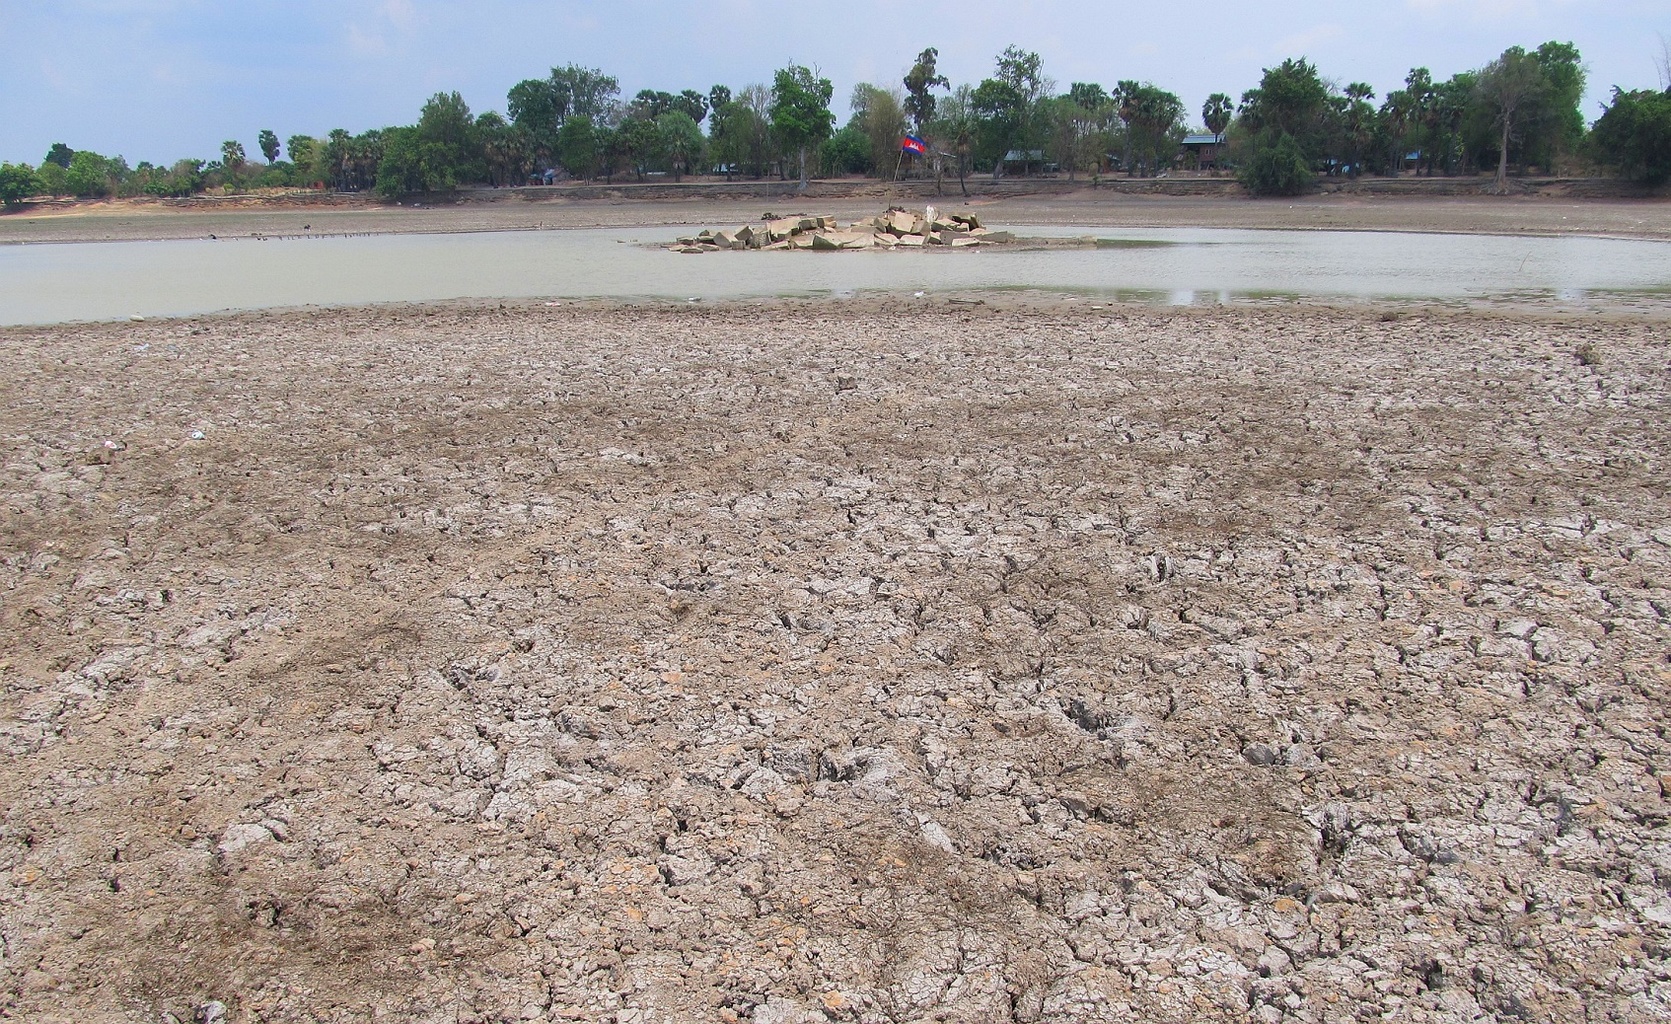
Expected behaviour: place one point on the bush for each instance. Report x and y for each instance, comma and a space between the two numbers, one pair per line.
53, 179
845, 152
1276, 167
17, 183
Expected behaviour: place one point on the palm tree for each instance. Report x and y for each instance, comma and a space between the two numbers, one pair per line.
1395, 121
1215, 113
1360, 122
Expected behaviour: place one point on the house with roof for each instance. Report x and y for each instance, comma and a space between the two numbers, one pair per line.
1202, 152
1027, 160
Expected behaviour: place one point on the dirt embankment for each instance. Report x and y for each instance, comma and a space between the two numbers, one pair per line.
1434, 205
784, 664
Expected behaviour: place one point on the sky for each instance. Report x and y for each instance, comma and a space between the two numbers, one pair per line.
159, 80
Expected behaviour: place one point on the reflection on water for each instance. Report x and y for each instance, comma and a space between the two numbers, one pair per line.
92, 281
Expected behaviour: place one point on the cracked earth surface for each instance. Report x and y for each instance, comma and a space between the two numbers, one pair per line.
805, 662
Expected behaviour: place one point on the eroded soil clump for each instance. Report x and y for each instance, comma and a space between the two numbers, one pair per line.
814, 663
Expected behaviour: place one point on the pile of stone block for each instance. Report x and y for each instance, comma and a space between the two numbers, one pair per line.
898, 228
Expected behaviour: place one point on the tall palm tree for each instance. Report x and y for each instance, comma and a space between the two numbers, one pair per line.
1215, 114
1360, 123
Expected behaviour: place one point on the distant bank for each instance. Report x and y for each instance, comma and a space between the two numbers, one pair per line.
1537, 206
982, 187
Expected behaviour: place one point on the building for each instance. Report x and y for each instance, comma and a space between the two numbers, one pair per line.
1202, 151
1027, 160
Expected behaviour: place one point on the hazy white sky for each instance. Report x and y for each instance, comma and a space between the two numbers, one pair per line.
161, 79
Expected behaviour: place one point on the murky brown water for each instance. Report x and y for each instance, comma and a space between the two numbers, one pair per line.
94, 281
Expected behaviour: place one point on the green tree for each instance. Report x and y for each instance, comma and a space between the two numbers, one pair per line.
590, 92
692, 103
59, 154
1634, 135
955, 127
879, 118
1124, 98
402, 168
1289, 113
17, 183
1394, 121
923, 76
1007, 105
505, 151
1077, 126
1564, 79
718, 96
1216, 113
1063, 121
450, 151
640, 143
1277, 167
1510, 88
762, 145
232, 155
1421, 115
183, 179
537, 106
1088, 95
725, 134
89, 175
305, 152
1451, 99
1000, 112
1357, 125
845, 152
54, 179
650, 104
1156, 126
1291, 98
1025, 70
800, 113
610, 151
577, 146
269, 143
680, 139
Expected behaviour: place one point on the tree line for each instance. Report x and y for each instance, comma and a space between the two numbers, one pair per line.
1519, 110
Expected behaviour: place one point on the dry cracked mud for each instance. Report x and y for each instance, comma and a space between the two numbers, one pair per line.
835, 662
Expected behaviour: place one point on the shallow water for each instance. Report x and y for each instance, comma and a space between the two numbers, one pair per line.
106, 280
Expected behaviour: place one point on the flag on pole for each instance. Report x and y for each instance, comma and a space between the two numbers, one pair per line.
912, 144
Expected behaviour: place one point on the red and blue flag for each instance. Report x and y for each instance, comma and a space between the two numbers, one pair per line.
912, 144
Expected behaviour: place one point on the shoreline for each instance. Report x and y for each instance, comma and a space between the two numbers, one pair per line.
1610, 308
985, 303
1510, 216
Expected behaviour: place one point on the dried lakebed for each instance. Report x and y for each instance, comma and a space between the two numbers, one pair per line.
786, 665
